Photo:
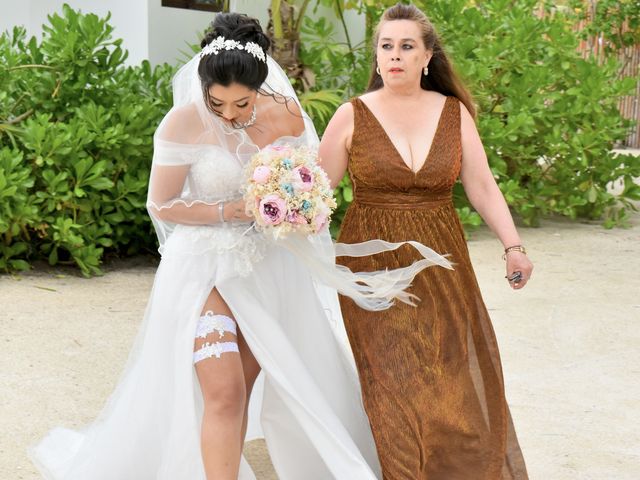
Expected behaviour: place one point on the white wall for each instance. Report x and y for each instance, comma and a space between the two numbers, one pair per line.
171, 30
260, 10
150, 31
128, 17
254, 8
13, 13
356, 24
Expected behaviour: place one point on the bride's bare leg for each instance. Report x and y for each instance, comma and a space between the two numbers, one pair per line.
251, 370
218, 365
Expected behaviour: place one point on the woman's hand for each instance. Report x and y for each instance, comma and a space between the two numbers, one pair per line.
235, 211
518, 262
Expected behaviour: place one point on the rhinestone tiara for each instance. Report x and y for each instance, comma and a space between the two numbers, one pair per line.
221, 43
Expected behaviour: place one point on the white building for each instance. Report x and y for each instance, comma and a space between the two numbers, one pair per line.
148, 29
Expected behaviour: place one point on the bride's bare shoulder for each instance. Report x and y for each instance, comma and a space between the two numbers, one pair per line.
286, 112
186, 113
182, 124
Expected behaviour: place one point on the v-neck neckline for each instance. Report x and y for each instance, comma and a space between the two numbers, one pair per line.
395, 149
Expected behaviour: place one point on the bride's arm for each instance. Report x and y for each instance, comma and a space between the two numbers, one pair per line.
165, 203
177, 134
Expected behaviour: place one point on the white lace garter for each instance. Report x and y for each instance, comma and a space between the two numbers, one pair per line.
210, 323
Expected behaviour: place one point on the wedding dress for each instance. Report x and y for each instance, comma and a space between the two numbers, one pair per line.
311, 413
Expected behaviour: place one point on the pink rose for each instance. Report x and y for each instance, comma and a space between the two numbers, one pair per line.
273, 209
261, 174
302, 179
321, 221
296, 218
322, 217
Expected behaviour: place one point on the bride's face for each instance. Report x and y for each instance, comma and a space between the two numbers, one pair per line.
233, 103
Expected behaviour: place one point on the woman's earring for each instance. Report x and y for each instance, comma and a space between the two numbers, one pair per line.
425, 70
378, 70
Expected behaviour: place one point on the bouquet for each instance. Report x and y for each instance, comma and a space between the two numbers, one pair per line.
287, 192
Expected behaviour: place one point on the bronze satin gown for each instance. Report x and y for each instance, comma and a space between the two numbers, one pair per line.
431, 376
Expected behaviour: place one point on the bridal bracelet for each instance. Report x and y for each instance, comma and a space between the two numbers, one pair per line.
221, 212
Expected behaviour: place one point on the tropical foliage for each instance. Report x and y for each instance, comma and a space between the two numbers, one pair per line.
76, 124
548, 117
76, 130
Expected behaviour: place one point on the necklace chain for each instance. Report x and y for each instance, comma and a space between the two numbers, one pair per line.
249, 122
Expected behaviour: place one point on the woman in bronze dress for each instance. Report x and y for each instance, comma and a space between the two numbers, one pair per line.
430, 375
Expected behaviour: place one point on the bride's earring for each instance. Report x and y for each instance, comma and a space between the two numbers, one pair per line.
425, 70
378, 70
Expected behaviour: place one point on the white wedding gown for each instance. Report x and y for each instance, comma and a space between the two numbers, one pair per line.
312, 417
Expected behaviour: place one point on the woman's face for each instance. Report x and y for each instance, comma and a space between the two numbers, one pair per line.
401, 52
233, 103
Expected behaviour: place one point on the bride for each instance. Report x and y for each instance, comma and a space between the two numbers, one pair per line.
226, 304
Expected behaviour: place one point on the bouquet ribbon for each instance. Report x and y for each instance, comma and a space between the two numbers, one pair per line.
375, 290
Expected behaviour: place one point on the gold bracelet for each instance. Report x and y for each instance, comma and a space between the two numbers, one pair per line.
513, 248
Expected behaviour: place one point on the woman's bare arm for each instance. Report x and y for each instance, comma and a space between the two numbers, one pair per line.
336, 143
485, 196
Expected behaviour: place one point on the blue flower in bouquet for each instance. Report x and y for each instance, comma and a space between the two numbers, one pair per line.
287, 187
287, 163
306, 205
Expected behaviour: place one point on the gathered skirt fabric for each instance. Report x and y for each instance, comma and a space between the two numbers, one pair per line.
311, 412
431, 375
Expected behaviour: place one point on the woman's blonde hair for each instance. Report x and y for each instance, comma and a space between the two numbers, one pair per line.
442, 77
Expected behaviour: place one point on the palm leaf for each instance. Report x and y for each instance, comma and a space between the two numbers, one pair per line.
321, 104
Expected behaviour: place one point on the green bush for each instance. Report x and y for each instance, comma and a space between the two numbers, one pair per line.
76, 125
548, 118
76, 130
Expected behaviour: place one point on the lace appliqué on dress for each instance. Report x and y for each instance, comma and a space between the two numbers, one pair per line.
216, 176
238, 243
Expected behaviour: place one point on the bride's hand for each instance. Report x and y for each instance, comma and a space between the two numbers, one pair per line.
235, 211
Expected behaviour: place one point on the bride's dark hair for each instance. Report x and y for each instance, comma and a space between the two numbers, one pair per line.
233, 66
237, 66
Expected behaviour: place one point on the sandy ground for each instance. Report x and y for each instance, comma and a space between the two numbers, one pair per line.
570, 344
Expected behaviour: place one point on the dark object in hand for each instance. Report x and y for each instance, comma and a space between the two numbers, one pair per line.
515, 277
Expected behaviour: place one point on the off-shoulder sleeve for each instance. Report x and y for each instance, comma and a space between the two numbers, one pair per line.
178, 144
